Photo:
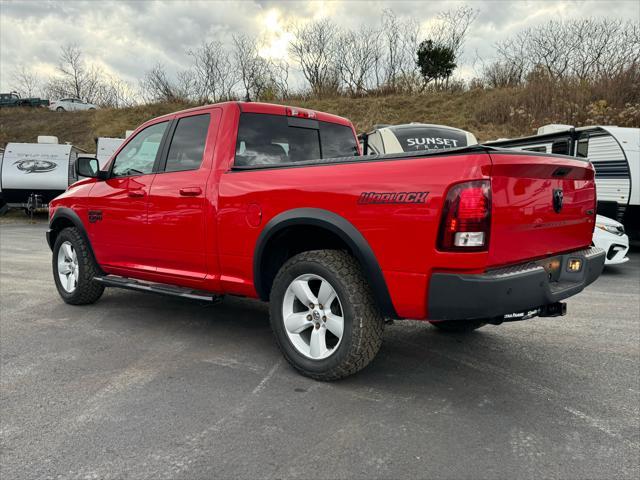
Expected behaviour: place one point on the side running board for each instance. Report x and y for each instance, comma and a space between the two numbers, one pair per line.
161, 288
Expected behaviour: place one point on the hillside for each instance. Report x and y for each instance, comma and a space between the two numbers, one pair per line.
489, 114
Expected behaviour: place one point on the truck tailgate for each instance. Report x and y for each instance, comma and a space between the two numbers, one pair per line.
541, 205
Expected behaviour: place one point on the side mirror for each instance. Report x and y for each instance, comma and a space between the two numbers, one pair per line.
89, 167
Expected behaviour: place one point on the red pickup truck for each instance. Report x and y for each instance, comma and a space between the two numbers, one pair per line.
277, 203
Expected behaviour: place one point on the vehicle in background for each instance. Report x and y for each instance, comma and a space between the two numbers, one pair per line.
14, 100
70, 105
277, 203
413, 137
609, 235
3, 204
614, 153
32, 174
106, 147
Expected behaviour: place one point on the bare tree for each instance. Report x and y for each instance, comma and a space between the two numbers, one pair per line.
502, 74
214, 71
80, 80
25, 81
401, 40
451, 27
72, 68
585, 49
359, 53
75, 77
116, 93
157, 87
390, 27
279, 75
314, 50
255, 71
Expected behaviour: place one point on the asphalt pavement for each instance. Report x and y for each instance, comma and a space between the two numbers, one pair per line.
144, 386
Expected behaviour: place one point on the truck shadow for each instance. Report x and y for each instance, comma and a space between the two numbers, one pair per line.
415, 360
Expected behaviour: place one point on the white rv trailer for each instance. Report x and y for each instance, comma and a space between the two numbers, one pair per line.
413, 137
3, 203
615, 155
44, 169
105, 148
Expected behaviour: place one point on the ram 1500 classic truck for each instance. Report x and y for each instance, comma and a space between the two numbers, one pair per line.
277, 203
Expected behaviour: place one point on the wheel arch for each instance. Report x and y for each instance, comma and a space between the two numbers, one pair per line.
334, 231
62, 218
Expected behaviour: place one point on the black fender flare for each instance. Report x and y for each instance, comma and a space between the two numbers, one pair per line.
70, 215
340, 227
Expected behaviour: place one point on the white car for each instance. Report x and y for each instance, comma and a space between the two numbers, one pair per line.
71, 104
609, 235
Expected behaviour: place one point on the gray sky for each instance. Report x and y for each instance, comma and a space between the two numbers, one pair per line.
129, 37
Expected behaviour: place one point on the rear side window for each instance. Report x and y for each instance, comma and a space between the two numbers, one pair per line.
277, 139
337, 141
429, 138
187, 144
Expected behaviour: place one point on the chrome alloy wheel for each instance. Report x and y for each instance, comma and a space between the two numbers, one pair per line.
313, 316
68, 270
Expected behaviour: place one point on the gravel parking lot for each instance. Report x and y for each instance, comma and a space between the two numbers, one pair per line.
143, 386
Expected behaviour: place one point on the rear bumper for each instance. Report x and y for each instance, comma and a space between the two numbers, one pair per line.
511, 289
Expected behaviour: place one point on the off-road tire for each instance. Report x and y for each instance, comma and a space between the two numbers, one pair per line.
363, 322
88, 290
458, 326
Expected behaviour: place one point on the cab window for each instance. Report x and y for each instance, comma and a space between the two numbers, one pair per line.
187, 144
139, 155
277, 139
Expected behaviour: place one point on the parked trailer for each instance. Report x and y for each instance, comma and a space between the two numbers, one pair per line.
615, 155
412, 137
33, 174
3, 203
105, 148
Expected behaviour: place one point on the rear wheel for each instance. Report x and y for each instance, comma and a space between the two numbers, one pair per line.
324, 316
458, 326
74, 269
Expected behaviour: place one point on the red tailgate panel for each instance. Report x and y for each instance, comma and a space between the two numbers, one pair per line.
525, 225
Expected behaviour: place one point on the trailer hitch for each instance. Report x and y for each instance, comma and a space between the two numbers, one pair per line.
557, 309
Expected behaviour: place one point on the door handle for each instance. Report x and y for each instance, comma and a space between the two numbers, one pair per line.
136, 193
190, 191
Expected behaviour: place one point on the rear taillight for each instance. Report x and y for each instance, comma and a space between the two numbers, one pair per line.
466, 217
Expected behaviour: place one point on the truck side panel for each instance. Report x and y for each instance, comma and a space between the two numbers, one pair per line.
402, 235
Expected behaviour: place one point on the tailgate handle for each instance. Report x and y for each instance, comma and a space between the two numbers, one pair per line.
562, 172
190, 191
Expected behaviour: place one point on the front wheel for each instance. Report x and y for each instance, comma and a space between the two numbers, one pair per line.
59, 109
458, 326
74, 269
324, 316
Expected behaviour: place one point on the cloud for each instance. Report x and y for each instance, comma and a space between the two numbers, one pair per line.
129, 37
